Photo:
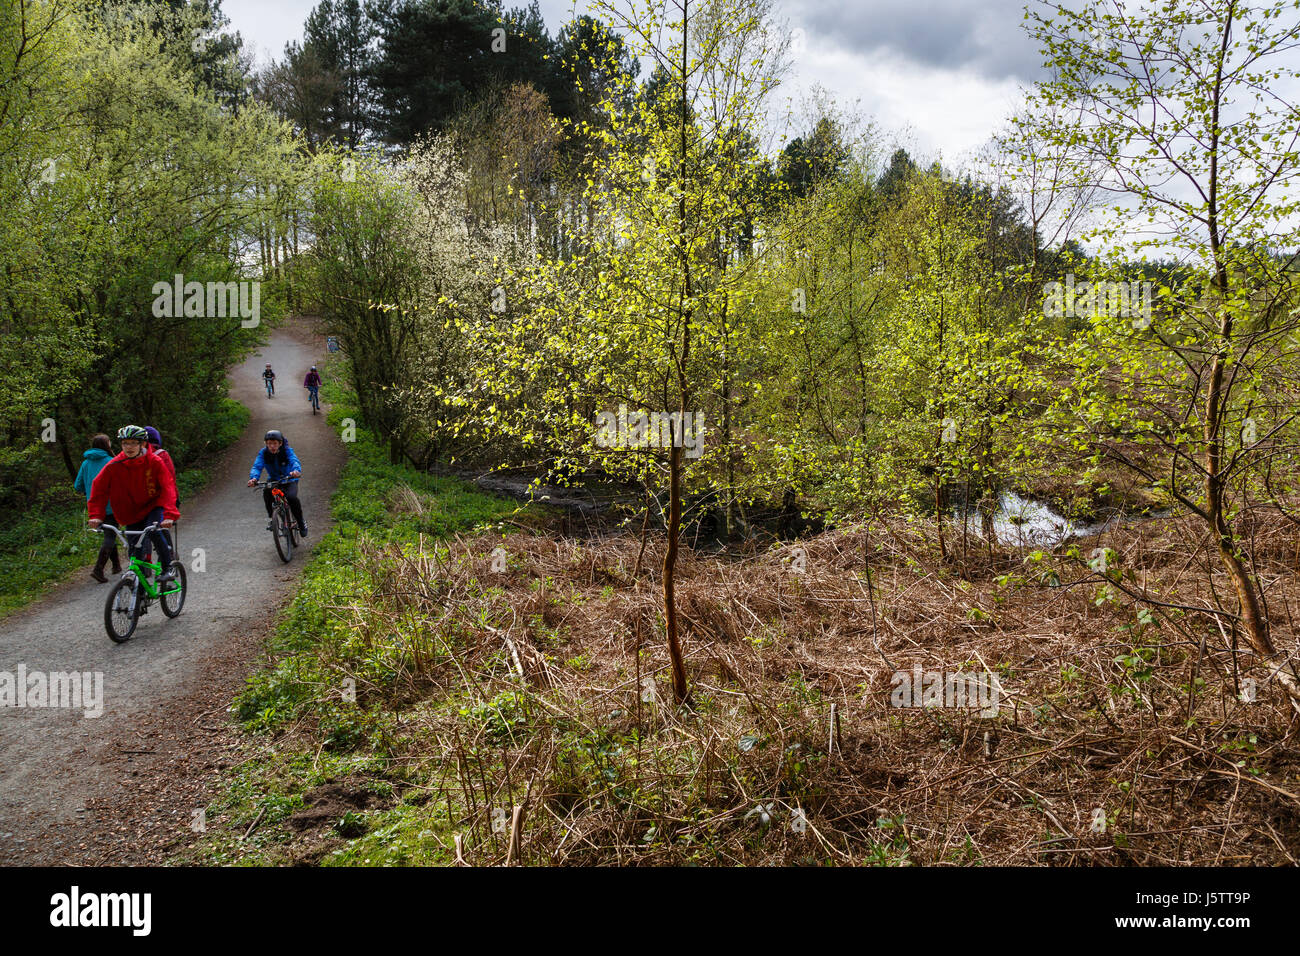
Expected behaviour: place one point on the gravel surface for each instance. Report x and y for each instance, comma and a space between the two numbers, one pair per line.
123, 787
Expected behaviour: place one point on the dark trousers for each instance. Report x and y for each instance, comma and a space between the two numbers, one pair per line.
141, 546
295, 506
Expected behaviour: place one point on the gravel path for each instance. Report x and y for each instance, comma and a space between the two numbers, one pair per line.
121, 786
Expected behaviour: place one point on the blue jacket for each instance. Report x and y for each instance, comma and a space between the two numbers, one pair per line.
93, 461
273, 468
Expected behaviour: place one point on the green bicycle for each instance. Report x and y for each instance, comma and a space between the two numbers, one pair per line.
137, 589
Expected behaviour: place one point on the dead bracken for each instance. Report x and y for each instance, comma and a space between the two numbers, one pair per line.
1125, 733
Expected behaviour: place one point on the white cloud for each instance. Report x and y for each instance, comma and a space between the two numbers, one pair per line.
948, 112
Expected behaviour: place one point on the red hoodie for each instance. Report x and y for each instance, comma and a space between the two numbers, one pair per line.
166, 459
134, 487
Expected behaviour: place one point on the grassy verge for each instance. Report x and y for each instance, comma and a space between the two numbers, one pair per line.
47, 544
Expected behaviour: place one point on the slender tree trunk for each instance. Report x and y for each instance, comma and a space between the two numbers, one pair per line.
62, 434
680, 687
681, 690
1216, 400
726, 421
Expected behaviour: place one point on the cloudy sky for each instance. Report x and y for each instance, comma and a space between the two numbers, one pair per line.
941, 75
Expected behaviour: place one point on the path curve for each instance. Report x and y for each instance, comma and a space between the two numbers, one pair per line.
58, 765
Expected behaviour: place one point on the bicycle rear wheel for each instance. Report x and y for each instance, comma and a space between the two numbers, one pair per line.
283, 533
173, 601
122, 609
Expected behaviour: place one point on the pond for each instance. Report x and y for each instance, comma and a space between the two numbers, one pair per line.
1024, 522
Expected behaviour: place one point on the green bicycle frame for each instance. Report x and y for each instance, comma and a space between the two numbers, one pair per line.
140, 566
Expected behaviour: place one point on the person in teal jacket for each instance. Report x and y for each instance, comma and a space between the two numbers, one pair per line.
92, 461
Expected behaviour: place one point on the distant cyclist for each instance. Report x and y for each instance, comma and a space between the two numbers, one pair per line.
141, 490
268, 377
280, 462
312, 384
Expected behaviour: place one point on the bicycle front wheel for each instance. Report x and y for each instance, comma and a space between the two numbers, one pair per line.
122, 610
172, 601
283, 534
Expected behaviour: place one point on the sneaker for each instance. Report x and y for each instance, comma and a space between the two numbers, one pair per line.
270, 526
167, 581
302, 530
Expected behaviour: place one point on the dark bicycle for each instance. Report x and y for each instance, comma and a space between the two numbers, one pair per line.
137, 588
313, 396
283, 528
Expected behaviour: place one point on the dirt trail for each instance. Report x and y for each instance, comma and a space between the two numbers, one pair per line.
78, 789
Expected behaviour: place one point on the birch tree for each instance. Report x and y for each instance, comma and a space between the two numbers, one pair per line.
1178, 114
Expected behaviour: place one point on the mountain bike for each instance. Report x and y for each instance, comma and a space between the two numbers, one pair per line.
313, 396
137, 588
283, 528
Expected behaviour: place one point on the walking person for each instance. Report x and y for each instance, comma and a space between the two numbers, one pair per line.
92, 462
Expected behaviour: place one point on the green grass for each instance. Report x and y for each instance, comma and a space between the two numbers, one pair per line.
48, 543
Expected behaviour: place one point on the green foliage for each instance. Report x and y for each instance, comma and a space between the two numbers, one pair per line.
503, 717
892, 846
122, 170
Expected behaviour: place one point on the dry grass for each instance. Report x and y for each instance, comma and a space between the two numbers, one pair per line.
1117, 741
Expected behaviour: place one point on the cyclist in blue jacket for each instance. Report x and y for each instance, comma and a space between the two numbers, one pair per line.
280, 462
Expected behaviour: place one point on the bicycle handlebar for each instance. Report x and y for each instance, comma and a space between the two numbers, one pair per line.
278, 481
127, 534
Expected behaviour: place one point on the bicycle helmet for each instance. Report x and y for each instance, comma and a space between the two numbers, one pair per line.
154, 437
132, 433
273, 433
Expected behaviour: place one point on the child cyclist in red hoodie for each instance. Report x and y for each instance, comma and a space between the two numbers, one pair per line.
141, 490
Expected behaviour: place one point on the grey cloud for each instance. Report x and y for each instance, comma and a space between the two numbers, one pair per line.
983, 36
